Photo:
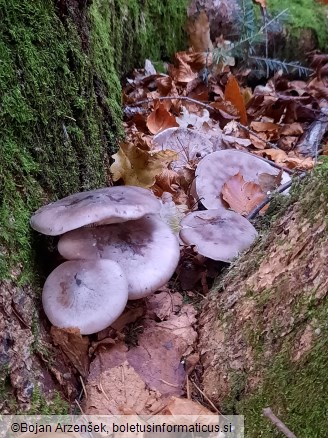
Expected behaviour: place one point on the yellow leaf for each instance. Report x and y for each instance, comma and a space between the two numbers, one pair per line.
138, 167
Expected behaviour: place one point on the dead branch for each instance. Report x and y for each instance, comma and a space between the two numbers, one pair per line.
310, 141
268, 198
267, 412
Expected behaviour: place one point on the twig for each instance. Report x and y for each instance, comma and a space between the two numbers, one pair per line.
84, 388
272, 145
206, 398
188, 388
80, 407
169, 384
267, 412
205, 105
268, 198
188, 99
277, 166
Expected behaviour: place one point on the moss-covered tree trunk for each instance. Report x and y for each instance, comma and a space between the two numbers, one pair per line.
264, 332
60, 117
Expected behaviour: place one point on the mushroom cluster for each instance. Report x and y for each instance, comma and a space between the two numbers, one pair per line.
117, 249
218, 233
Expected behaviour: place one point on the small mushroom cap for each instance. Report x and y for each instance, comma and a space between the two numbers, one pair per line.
189, 144
216, 169
217, 234
107, 205
146, 249
86, 294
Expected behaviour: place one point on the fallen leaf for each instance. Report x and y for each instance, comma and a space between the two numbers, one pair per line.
293, 129
264, 126
184, 406
240, 195
257, 141
160, 119
287, 143
166, 86
74, 346
233, 94
268, 182
166, 179
127, 317
183, 72
138, 167
138, 379
236, 141
280, 157
188, 119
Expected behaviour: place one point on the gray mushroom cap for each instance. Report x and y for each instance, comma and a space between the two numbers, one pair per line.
218, 167
106, 205
146, 249
217, 234
86, 294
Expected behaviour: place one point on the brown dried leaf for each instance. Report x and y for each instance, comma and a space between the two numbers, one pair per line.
184, 406
165, 181
166, 86
240, 195
268, 182
160, 119
264, 126
138, 167
293, 129
74, 346
183, 72
257, 142
280, 157
138, 379
233, 94
287, 143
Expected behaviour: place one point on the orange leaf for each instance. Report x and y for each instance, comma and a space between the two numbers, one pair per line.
160, 119
233, 94
242, 196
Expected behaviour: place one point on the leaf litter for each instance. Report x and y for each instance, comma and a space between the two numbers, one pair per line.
173, 121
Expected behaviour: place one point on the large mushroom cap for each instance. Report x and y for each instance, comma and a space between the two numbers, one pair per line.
146, 249
107, 205
88, 295
216, 169
218, 234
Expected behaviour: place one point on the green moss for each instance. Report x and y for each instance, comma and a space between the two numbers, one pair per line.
60, 112
40, 405
295, 391
7, 397
303, 14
